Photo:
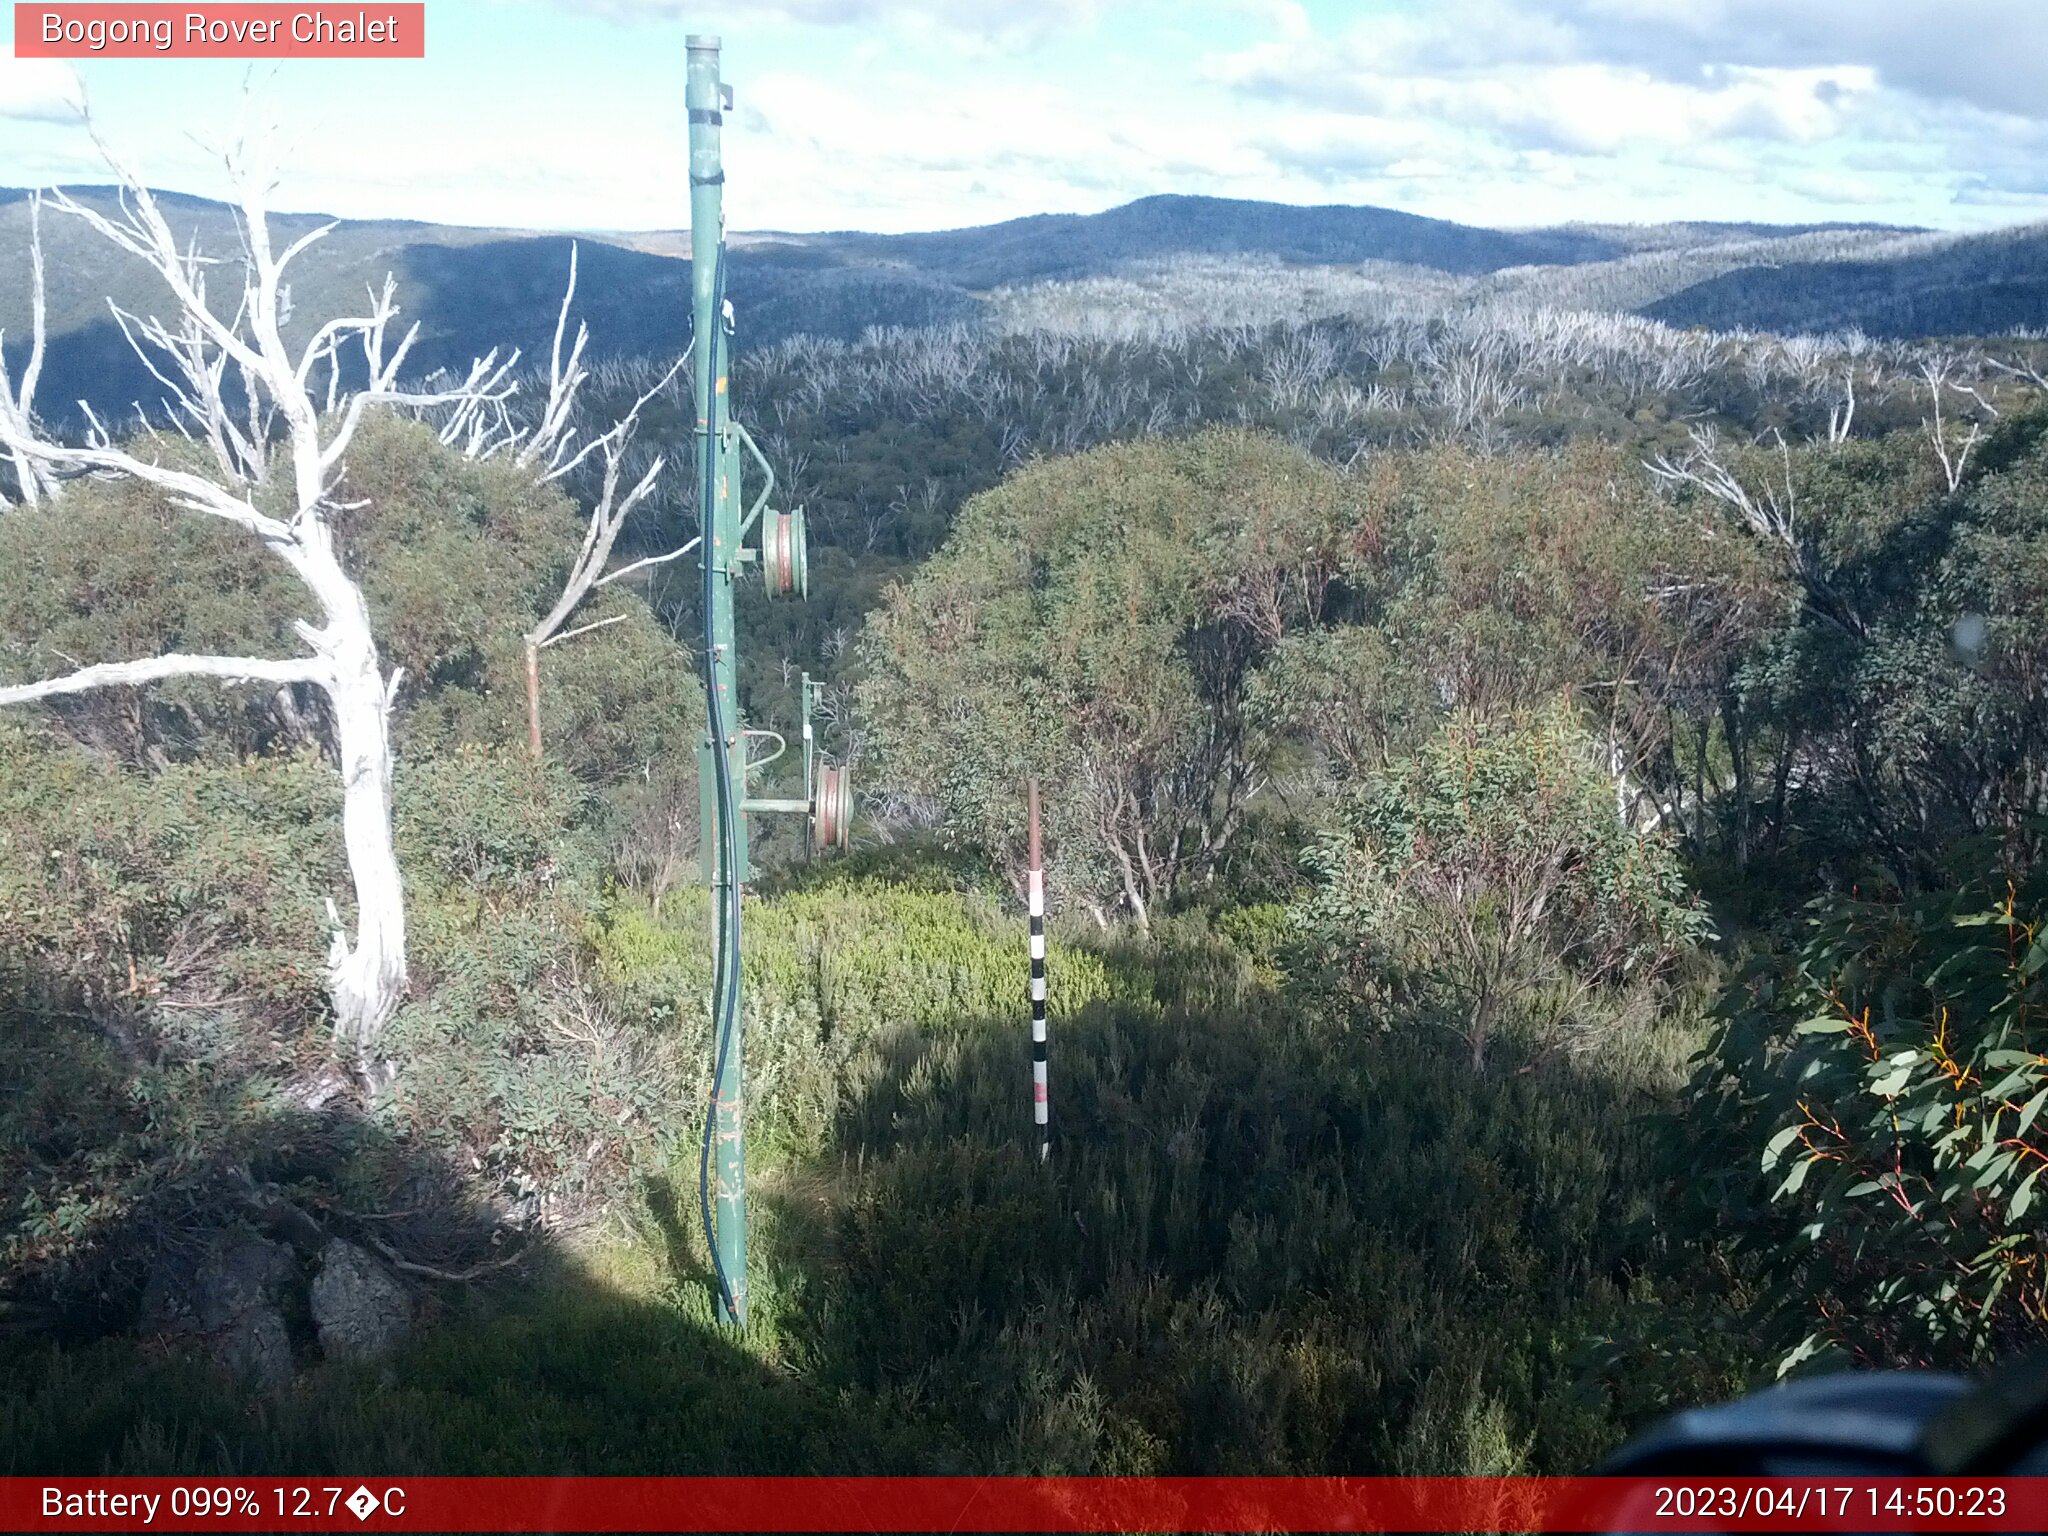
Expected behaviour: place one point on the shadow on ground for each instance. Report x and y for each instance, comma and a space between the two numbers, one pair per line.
1263, 1245
160, 1301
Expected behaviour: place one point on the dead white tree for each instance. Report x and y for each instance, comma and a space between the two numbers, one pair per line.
2022, 371
269, 429
1954, 455
1769, 508
1842, 413
33, 480
1771, 511
551, 451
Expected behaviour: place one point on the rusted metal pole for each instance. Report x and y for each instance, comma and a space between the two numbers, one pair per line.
1035, 896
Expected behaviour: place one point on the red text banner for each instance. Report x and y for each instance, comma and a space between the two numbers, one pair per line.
214, 31
377, 1503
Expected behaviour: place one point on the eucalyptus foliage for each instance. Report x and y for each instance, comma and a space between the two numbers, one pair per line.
1095, 621
1901, 1070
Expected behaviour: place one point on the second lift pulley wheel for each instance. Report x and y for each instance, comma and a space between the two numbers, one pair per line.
832, 807
785, 565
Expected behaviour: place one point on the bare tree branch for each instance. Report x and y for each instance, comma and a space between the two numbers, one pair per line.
194, 493
607, 518
1771, 511
551, 435
1953, 457
640, 565
584, 629
156, 669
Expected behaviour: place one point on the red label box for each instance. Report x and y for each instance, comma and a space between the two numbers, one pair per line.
101, 30
1021, 1504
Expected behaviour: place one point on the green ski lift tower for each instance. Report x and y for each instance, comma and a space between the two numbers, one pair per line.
725, 761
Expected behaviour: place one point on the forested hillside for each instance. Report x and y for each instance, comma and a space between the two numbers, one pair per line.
1984, 287
1197, 260
1543, 813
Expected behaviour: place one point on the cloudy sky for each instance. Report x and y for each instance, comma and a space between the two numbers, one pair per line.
922, 114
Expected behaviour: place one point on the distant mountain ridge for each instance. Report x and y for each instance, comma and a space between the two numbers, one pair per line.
1066, 245
1935, 285
473, 289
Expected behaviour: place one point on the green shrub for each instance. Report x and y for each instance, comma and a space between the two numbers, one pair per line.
509, 1060
1094, 620
117, 572
195, 894
1242, 1256
164, 883
833, 973
1490, 865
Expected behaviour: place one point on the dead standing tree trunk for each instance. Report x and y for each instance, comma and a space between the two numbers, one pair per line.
33, 481
273, 431
551, 450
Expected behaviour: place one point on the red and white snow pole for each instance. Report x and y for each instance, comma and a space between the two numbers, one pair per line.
1035, 896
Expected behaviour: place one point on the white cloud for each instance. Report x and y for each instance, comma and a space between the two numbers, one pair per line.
1519, 81
993, 23
1336, 146
916, 114
1287, 20
962, 152
1770, 99
38, 90
1993, 56
1600, 109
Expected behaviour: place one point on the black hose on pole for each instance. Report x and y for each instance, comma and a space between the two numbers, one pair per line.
725, 984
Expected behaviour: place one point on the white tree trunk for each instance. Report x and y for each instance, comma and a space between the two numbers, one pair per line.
192, 356
367, 979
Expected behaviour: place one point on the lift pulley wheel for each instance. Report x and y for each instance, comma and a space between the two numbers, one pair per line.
785, 564
832, 807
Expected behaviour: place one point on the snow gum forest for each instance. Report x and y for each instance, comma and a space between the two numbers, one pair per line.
1544, 744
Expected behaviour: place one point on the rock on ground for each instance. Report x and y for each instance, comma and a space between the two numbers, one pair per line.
228, 1295
358, 1305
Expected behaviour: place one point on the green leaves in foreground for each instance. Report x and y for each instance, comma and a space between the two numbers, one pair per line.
1908, 1141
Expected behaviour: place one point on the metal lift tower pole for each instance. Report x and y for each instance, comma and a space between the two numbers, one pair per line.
724, 800
721, 758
